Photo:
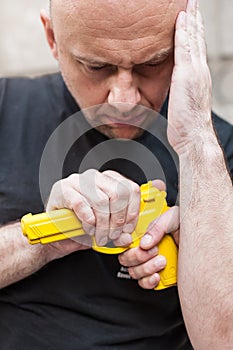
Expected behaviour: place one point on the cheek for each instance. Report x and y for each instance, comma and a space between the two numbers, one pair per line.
87, 93
156, 88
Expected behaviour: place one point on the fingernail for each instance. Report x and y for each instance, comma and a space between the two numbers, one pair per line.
102, 242
154, 279
126, 239
90, 230
146, 239
160, 262
193, 3
182, 18
128, 228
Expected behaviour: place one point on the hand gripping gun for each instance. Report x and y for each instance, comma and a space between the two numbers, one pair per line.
62, 224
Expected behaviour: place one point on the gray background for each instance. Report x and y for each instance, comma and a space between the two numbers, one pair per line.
23, 49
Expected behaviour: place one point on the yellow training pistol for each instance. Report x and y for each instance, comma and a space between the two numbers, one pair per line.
61, 224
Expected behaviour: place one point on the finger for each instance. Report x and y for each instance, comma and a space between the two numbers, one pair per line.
176, 236
192, 29
101, 211
196, 31
119, 201
136, 256
182, 48
149, 282
150, 267
124, 240
124, 208
133, 208
64, 196
56, 198
192, 7
89, 185
159, 184
166, 223
201, 41
84, 213
113, 184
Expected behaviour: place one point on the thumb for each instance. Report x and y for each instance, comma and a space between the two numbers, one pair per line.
166, 223
159, 184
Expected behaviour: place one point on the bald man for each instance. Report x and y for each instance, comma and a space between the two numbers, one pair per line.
119, 63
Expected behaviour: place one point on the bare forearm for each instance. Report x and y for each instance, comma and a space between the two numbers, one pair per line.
18, 259
206, 245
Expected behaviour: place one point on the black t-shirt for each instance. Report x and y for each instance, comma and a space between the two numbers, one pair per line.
85, 300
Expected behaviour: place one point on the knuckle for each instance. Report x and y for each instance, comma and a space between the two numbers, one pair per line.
118, 221
78, 205
72, 178
140, 256
124, 188
88, 177
101, 218
155, 226
90, 172
57, 186
66, 195
132, 273
112, 173
102, 204
126, 258
90, 220
119, 192
103, 201
132, 217
122, 260
75, 204
135, 188
148, 269
81, 210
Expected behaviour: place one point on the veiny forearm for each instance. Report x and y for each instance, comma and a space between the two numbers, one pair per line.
205, 277
18, 259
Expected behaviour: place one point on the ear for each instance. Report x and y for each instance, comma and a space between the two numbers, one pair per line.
48, 28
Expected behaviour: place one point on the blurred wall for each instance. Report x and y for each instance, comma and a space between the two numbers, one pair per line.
23, 49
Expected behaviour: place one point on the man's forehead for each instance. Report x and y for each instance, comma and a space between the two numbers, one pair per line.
118, 19
121, 6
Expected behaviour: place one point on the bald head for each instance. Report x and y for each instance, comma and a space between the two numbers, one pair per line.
116, 7
100, 44
116, 19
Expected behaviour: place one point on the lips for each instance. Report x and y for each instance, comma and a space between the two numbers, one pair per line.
129, 120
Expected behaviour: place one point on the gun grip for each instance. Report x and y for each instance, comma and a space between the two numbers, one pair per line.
168, 276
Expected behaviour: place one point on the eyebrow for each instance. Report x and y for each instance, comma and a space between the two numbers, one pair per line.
158, 57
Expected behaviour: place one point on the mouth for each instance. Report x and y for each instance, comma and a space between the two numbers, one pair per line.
124, 122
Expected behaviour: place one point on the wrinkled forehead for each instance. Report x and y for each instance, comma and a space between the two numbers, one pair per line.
120, 17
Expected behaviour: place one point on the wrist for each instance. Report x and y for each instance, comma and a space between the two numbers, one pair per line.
203, 166
201, 144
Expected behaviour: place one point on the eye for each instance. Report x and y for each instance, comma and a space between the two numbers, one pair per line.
95, 68
104, 70
153, 65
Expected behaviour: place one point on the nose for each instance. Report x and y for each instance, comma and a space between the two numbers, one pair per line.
124, 92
